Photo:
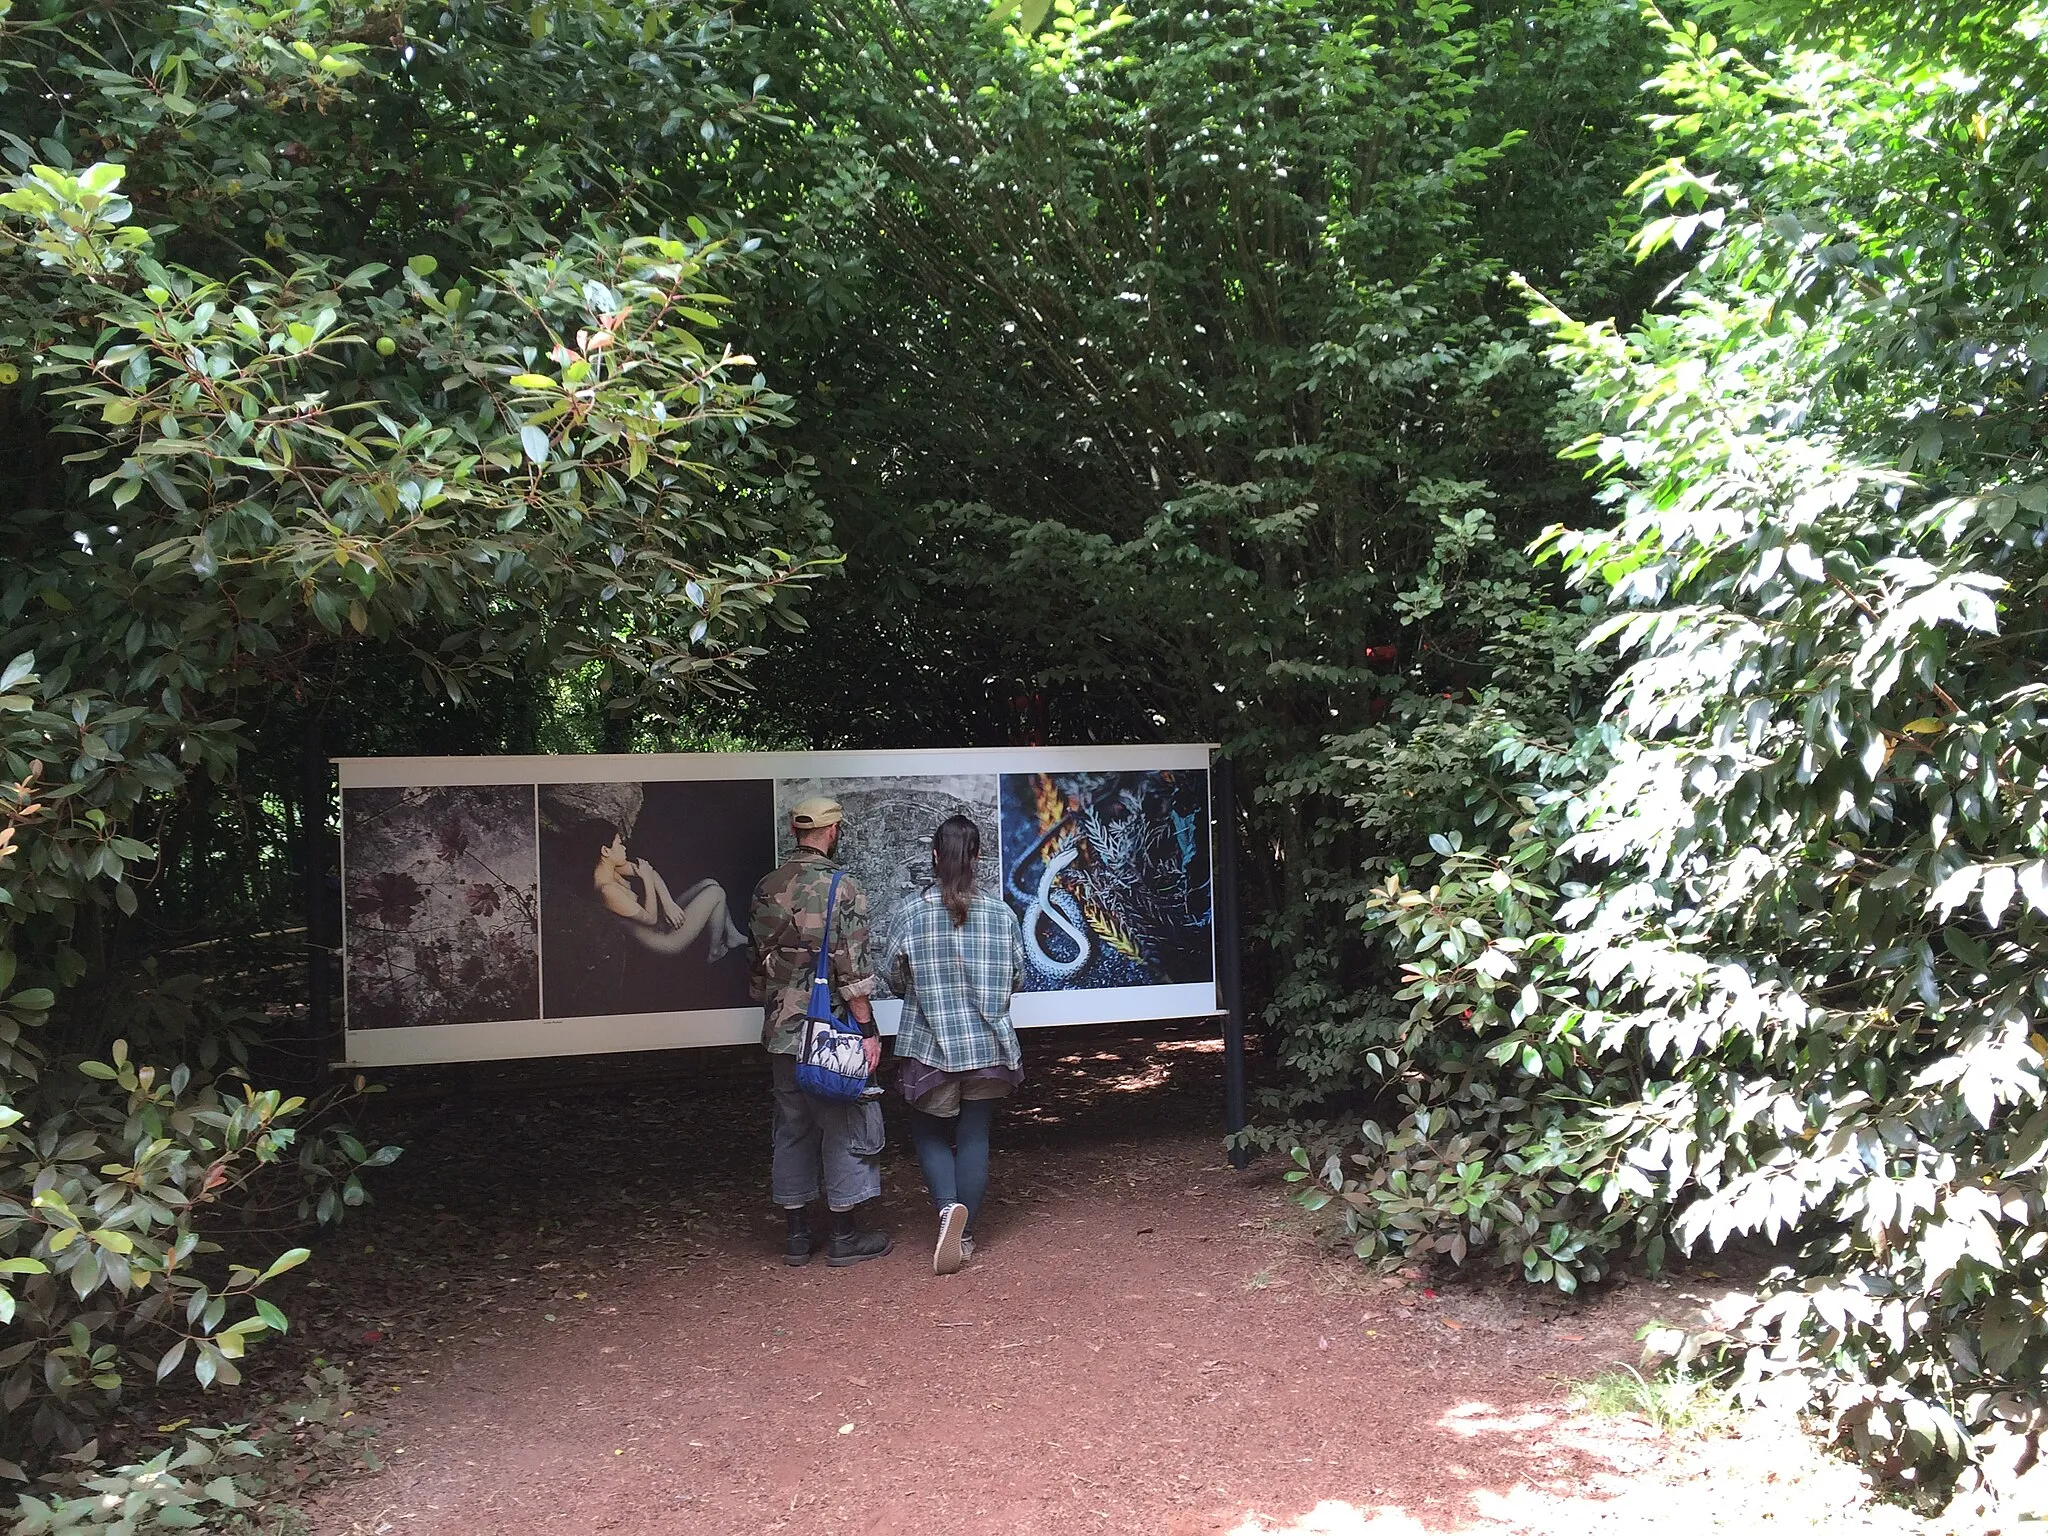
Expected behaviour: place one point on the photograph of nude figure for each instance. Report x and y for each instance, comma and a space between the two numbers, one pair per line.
644, 893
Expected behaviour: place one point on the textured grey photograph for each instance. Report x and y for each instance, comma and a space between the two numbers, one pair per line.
886, 843
443, 905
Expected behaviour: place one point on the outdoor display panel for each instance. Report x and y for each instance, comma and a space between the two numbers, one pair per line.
551, 906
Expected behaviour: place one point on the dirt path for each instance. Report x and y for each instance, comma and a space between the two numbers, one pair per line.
574, 1337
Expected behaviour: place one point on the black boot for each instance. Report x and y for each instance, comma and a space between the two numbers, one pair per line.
801, 1244
850, 1245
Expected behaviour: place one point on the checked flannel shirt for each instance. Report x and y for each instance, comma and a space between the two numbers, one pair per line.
956, 985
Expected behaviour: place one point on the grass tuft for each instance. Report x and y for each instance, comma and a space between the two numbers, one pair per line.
1674, 1403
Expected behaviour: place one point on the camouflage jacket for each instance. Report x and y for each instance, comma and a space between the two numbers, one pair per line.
787, 923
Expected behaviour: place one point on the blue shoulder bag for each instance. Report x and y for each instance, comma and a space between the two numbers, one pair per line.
832, 1062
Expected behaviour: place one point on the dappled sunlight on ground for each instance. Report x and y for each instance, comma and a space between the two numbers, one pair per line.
1597, 1476
1334, 1517
1082, 1087
1470, 1419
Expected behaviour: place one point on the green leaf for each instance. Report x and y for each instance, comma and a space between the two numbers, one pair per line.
290, 1259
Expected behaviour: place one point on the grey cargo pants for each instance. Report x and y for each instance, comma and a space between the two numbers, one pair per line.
819, 1143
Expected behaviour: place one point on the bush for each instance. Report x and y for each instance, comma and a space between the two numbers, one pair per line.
225, 1480
1499, 1142
279, 425
196, 1487
1796, 989
109, 1167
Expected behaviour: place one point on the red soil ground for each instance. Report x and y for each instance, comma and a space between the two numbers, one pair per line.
581, 1323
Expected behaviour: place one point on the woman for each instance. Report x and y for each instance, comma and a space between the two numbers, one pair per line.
660, 921
958, 958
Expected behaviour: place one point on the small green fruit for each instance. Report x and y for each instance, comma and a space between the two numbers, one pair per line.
386, 346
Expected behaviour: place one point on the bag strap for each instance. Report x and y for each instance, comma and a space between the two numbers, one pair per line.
825, 943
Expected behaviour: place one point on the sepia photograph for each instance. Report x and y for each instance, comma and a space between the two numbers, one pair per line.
645, 890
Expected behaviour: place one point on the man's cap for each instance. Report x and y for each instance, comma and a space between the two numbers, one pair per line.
818, 811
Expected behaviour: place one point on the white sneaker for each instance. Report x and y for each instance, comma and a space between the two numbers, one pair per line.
952, 1236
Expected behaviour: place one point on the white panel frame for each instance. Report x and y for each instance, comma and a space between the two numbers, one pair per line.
515, 1039
654, 767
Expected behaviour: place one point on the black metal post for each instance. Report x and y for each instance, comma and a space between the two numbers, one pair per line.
1229, 960
320, 938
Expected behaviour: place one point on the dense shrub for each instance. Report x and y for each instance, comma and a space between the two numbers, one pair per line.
337, 358
1781, 970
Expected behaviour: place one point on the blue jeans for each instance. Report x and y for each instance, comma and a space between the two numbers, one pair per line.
954, 1154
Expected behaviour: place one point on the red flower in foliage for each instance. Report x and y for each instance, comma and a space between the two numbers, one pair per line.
482, 898
394, 896
451, 842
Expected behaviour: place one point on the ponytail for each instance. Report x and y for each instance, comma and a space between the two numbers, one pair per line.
955, 847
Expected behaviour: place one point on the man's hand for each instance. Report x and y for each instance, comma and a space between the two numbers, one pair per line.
871, 1047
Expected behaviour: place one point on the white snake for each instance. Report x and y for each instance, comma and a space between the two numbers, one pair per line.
1062, 911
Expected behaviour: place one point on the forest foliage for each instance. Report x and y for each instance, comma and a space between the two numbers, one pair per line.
1604, 528
1762, 954
331, 361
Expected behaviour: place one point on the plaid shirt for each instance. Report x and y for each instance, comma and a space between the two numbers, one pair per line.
956, 985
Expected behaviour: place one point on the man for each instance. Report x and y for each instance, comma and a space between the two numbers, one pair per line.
818, 1144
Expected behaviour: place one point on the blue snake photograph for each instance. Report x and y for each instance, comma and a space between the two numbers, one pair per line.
1108, 874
